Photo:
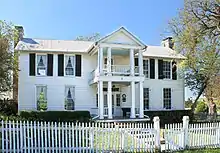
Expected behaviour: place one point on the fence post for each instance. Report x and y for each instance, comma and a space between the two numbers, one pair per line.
157, 129
185, 131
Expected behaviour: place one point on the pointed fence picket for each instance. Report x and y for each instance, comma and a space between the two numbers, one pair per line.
35, 136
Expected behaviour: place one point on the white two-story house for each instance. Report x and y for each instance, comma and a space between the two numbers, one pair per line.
115, 76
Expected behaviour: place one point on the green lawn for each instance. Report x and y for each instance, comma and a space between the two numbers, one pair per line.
201, 151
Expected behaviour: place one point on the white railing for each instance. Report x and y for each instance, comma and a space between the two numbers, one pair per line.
76, 137
116, 70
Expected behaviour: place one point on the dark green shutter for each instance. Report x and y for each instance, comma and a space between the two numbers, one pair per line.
174, 70
60, 65
49, 64
152, 68
160, 69
78, 68
32, 64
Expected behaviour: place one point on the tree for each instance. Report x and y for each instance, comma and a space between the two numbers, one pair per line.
93, 37
201, 107
8, 61
196, 34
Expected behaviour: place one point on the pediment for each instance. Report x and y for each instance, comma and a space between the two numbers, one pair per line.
121, 36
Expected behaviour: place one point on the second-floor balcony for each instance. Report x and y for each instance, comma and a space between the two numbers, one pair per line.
116, 70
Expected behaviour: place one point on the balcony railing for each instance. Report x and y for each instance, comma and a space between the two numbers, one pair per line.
116, 70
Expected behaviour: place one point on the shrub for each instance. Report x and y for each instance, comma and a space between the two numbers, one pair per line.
169, 116
57, 116
8, 107
201, 107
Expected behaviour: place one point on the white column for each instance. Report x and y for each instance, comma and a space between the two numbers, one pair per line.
156, 68
141, 114
109, 61
101, 102
132, 61
100, 60
140, 62
109, 99
132, 99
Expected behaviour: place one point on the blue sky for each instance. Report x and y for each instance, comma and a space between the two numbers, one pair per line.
67, 19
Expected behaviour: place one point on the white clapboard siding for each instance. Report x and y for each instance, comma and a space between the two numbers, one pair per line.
35, 136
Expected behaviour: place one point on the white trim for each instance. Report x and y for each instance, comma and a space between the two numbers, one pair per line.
121, 46
40, 85
40, 54
126, 32
74, 66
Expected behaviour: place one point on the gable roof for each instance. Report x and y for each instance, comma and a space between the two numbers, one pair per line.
29, 44
162, 52
126, 32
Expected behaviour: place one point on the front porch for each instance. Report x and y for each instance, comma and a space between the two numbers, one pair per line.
119, 100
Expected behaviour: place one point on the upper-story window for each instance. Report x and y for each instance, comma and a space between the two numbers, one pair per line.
166, 69
146, 68
41, 65
69, 65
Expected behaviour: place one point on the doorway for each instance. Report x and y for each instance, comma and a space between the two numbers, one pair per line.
116, 103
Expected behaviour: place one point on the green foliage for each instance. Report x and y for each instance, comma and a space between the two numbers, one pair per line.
59, 116
42, 102
169, 116
196, 36
8, 60
8, 107
93, 37
201, 107
188, 103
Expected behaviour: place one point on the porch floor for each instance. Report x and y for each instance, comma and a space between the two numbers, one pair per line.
122, 119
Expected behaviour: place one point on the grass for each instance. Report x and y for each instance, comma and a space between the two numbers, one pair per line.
201, 151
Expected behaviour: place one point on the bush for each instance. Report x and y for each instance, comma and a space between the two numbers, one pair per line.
172, 116
201, 107
57, 116
8, 107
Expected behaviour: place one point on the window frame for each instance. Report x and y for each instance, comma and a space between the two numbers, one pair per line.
74, 99
36, 64
148, 67
148, 98
170, 71
36, 96
167, 100
74, 66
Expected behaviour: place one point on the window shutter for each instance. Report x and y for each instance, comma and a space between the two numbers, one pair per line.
160, 69
174, 70
60, 65
78, 67
152, 68
32, 64
135, 61
49, 64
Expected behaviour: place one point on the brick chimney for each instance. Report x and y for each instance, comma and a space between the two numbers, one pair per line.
168, 42
20, 30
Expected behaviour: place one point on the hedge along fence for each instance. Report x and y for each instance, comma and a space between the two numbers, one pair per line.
51, 116
57, 116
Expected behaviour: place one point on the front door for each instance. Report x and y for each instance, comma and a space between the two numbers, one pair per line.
116, 103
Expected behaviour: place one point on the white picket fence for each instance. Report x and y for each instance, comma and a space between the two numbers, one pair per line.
180, 136
53, 137
31, 137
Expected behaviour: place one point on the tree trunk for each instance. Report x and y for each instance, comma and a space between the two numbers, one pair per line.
197, 98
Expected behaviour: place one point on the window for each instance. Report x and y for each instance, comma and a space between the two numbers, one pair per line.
70, 98
69, 65
41, 65
166, 69
146, 98
167, 98
118, 100
41, 98
145, 68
